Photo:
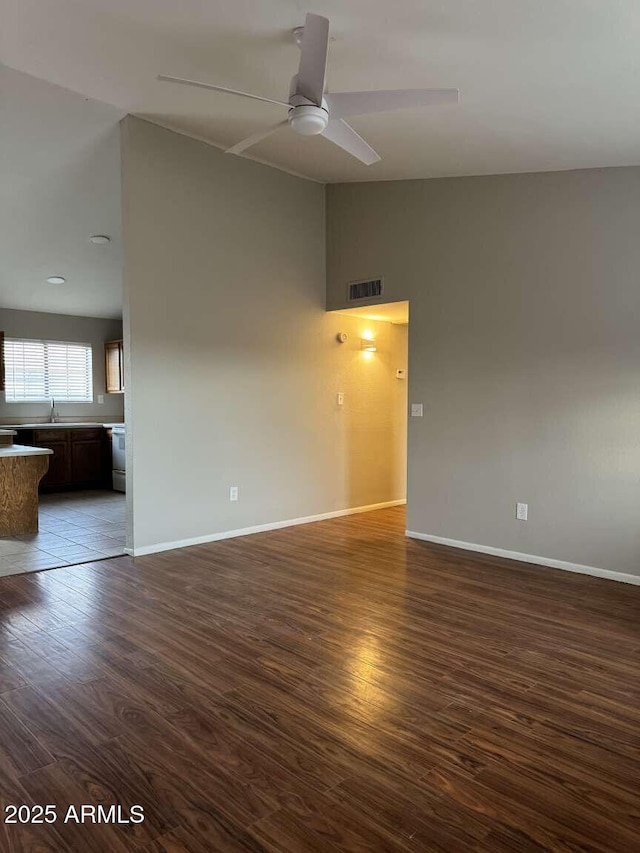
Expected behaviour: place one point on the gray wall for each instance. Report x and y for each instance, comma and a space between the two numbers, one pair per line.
62, 327
524, 349
234, 365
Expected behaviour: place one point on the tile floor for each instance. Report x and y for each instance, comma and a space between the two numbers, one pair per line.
75, 527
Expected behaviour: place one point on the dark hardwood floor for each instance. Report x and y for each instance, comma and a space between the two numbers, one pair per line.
319, 688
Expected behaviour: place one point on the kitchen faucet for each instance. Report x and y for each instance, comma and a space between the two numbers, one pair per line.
52, 412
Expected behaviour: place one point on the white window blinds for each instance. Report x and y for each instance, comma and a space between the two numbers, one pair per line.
35, 371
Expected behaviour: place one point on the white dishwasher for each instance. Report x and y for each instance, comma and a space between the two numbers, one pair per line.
119, 460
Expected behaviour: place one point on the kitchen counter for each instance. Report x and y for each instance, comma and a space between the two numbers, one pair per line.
81, 452
23, 450
57, 425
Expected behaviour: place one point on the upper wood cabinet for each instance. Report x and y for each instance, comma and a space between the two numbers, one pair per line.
1, 361
114, 366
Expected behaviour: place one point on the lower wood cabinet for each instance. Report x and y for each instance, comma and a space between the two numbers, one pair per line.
86, 460
81, 457
59, 473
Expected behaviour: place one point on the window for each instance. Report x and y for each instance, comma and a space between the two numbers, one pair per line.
35, 371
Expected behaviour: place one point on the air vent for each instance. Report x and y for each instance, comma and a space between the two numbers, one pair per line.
364, 289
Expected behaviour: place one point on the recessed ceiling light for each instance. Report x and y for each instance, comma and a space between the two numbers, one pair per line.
56, 279
100, 239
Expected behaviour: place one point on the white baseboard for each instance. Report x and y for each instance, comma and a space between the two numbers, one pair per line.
259, 528
622, 577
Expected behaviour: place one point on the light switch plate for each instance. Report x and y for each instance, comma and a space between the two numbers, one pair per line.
417, 410
101, 399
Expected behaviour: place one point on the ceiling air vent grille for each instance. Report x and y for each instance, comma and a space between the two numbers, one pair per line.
369, 289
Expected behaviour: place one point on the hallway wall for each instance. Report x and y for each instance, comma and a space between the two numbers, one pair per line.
233, 364
524, 349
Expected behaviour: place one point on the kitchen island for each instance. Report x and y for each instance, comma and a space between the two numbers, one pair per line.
21, 469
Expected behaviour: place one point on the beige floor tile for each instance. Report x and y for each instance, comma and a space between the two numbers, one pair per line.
75, 527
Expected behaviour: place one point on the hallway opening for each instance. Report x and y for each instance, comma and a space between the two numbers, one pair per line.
371, 401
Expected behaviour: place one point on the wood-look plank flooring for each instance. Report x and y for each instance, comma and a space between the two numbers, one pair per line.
320, 688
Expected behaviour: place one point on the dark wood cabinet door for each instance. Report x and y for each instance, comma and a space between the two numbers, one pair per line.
87, 462
59, 473
81, 457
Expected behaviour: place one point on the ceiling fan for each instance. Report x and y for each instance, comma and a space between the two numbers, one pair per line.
314, 111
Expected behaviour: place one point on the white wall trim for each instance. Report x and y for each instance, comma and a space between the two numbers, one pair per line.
258, 528
622, 577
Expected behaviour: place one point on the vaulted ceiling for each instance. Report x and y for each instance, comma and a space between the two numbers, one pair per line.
59, 184
544, 86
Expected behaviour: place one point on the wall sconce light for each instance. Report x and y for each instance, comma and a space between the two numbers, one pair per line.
368, 344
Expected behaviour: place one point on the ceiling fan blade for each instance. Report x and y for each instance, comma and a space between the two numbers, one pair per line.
361, 103
343, 135
167, 79
313, 62
239, 147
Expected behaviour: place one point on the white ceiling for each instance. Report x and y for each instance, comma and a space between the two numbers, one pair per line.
544, 85
388, 312
60, 183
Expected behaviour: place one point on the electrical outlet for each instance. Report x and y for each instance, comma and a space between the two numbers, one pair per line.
522, 512
417, 410
233, 493
101, 399
340, 398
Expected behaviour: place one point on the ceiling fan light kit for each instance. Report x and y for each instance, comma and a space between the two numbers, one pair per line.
313, 111
308, 120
